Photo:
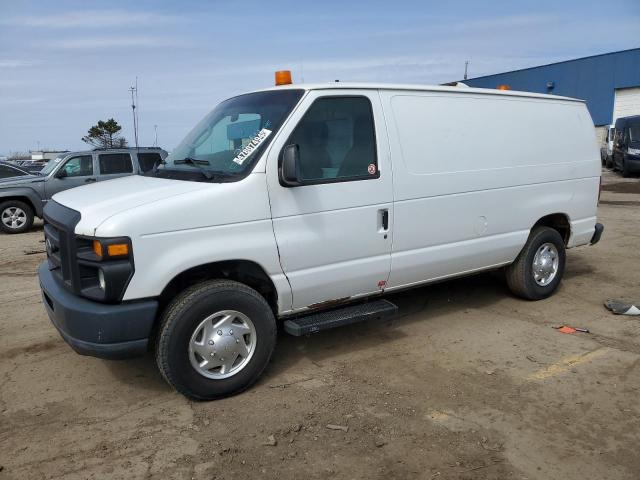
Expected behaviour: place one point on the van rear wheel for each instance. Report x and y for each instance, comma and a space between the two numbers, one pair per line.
215, 339
538, 269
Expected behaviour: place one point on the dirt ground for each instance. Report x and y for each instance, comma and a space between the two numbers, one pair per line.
468, 383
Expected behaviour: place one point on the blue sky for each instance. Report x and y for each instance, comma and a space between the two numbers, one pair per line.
65, 65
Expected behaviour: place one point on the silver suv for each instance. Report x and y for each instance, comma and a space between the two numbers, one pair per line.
22, 198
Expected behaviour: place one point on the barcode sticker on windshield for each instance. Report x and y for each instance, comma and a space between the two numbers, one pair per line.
249, 148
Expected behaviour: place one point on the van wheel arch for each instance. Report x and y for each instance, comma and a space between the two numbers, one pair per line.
559, 222
246, 272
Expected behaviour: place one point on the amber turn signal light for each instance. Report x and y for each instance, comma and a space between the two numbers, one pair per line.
504, 87
283, 77
113, 250
118, 250
97, 248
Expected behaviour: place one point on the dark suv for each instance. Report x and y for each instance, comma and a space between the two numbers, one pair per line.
626, 145
22, 198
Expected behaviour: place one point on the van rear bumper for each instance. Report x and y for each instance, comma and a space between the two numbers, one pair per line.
97, 329
597, 234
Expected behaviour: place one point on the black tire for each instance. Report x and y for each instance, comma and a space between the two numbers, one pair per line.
181, 318
624, 170
28, 211
519, 274
609, 163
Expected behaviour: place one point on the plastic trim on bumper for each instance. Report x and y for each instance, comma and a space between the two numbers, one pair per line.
597, 234
96, 329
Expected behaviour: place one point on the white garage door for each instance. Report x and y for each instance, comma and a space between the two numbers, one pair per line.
627, 102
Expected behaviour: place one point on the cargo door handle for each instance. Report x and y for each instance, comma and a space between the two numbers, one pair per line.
384, 219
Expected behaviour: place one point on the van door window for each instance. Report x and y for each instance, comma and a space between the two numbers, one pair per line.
336, 141
112, 163
148, 160
79, 166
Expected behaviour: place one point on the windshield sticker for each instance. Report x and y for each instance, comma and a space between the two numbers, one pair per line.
250, 147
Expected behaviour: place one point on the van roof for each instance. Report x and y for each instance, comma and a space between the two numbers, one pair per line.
420, 88
631, 119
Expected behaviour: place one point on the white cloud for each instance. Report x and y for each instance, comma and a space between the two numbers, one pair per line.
14, 63
120, 41
91, 19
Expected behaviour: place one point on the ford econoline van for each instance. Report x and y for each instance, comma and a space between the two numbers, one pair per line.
302, 206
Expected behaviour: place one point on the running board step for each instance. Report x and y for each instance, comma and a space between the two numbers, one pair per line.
317, 322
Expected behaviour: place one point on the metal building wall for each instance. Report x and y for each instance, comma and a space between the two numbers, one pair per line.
593, 79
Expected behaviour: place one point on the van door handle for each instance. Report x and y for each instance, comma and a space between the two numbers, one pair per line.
384, 219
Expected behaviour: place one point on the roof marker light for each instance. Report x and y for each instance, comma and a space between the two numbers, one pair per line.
283, 77
504, 87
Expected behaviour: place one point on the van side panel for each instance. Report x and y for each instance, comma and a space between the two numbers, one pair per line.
473, 173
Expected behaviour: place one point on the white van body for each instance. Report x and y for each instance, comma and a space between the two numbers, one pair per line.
456, 204
306, 204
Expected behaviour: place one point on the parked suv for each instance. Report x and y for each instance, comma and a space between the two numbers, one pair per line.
626, 148
22, 198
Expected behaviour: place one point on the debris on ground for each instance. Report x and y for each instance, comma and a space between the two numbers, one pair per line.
620, 307
271, 441
338, 427
33, 252
568, 329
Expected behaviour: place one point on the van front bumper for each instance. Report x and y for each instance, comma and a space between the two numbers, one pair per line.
97, 329
633, 162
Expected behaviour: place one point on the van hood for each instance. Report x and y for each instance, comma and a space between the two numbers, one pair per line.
100, 201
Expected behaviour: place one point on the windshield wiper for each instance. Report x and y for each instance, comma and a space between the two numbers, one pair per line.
197, 164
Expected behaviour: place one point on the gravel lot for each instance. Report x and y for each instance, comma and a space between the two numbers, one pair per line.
468, 383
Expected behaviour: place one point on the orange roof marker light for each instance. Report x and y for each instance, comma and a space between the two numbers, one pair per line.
504, 87
283, 77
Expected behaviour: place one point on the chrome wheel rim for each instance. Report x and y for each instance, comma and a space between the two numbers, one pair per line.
222, 344
545, 264
14, 217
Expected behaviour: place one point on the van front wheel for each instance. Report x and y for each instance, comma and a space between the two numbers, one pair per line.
538, 269
215, 339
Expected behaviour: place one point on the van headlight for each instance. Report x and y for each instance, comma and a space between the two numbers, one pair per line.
101, 281
106, 267
633, 151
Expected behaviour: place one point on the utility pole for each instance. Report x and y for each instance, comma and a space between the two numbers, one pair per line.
155, 142
466, 68
134, 101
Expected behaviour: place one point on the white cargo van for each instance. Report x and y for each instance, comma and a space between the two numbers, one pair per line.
305, 204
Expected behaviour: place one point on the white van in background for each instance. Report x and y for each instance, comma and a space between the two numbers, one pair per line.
305, 204
607, 147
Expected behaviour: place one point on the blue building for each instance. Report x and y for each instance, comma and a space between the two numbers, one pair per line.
610, 83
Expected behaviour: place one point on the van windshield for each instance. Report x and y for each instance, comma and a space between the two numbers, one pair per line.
227, 142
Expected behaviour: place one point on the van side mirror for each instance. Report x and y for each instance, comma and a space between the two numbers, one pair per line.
289, 166
62, 173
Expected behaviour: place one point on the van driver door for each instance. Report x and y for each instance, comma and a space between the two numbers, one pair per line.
334, 230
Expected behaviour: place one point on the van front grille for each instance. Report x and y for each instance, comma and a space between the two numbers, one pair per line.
59, 237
